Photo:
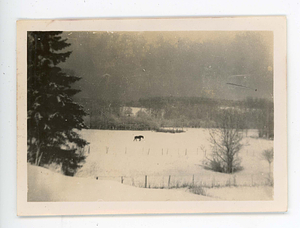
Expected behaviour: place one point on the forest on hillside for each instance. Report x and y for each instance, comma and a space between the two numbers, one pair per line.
178, 112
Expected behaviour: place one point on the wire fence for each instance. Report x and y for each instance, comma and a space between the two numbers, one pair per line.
180, 181
199, 151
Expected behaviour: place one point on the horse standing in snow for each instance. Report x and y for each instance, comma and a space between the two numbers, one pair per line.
138, 137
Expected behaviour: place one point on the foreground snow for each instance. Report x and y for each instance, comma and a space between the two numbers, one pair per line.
45, 185
241, 193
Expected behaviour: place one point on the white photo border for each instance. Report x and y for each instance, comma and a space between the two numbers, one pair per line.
276, 24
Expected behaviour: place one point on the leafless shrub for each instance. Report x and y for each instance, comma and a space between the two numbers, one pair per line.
199, 190
268, 155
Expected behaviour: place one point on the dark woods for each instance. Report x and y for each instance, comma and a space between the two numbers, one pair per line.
52, 115
194, 112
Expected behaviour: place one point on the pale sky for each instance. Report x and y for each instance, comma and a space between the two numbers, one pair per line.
133, 65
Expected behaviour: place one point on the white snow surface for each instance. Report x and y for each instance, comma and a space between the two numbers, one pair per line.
45, 185
114, 154
167, 159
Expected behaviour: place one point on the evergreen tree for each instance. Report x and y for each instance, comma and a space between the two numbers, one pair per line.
52, 115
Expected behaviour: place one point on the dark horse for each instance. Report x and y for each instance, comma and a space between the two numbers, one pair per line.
138, 137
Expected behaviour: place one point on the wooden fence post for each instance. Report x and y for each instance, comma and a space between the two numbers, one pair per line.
148, 151
145, 181
169, 181
122, 179
193, 180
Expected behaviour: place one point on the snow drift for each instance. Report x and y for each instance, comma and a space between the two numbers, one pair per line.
45, 185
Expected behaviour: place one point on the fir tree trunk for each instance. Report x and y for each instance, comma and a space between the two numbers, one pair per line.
37, 155
39, 160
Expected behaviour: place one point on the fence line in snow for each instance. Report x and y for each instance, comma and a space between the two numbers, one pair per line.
179, 181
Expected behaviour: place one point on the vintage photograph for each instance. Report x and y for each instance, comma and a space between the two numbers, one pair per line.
150, 115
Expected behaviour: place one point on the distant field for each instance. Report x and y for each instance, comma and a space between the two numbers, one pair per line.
115, 156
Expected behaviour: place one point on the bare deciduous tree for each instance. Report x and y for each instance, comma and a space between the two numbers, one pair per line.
226, 142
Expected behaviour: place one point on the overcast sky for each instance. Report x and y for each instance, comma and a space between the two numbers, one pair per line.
131, 65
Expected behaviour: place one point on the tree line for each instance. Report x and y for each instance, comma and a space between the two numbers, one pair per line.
178, 112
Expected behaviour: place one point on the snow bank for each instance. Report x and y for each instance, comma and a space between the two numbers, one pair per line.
241, 193
45, 185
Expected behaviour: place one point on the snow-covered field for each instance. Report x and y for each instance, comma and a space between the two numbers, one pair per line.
114, 154
168, 160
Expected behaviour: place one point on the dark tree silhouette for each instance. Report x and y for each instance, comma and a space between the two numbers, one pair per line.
52, 115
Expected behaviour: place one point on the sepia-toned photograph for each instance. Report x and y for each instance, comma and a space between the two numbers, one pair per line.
119, 115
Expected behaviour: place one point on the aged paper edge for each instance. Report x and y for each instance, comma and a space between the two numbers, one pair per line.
277, 24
